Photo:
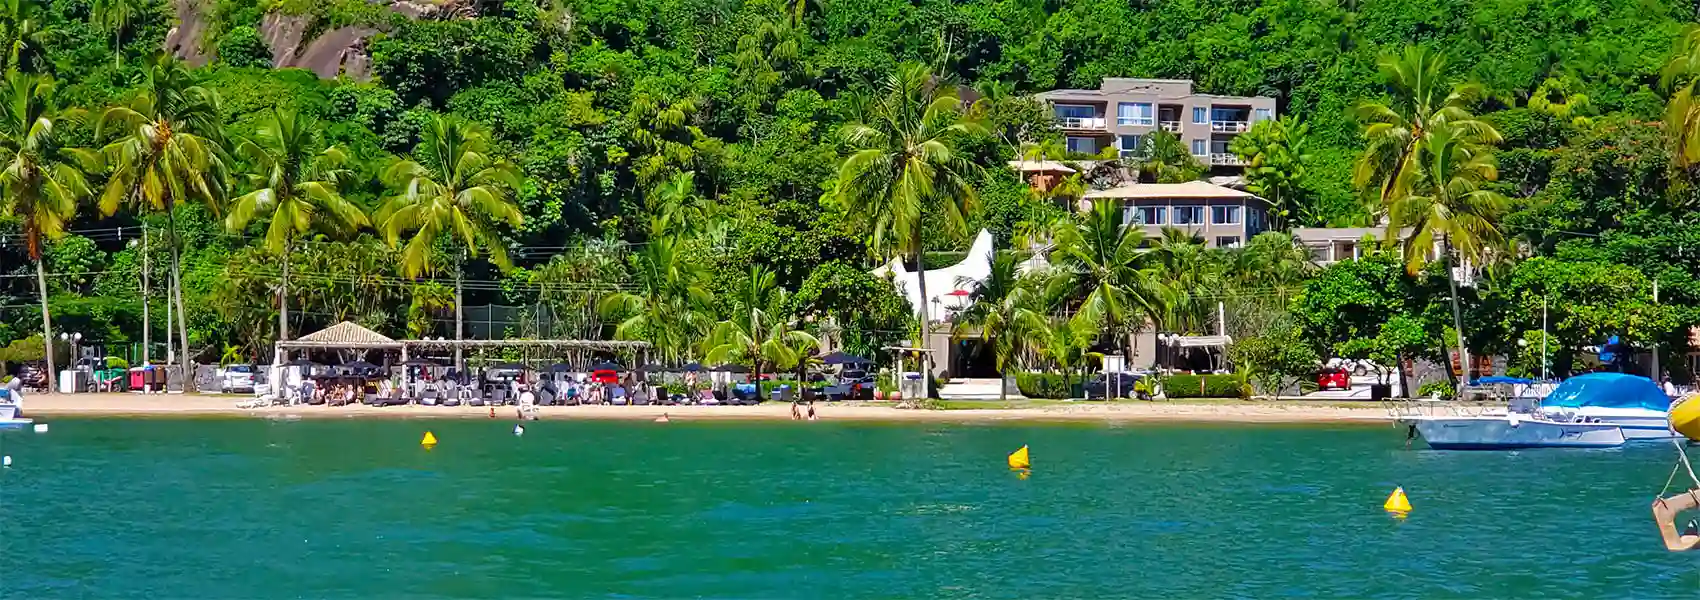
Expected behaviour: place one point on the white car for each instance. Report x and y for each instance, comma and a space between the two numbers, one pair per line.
237, 379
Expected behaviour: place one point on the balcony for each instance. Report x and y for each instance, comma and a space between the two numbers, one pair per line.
1095, 124
1229, 126
1223, 159
1170, 126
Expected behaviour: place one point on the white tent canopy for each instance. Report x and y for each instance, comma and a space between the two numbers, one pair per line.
945, 285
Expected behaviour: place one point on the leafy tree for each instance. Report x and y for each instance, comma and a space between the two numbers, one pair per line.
116, 16
1192, 281
452, 189
1277, 160
759, 331
668, 309
904, 162
1277, 360
993, 312
1165, 159
27, 31
168, 150
1105, 265
296, 180
43, 180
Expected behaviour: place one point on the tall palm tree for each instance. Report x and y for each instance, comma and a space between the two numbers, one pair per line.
759, 331
116, 16
297, 181
1192, 281
168, 150
1421, 98
667, 308
993, 311
1102, 263
42, 181
905, 161
1451, 205
452, 187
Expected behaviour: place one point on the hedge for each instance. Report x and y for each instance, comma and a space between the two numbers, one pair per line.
1051, 386
1201, 386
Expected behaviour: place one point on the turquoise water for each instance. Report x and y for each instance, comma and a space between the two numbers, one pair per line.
356, 509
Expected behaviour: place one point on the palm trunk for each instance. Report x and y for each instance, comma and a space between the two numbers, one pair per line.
117, 47
460, 354
1457, 314
282, 319
926, 328
46, 321
177, 292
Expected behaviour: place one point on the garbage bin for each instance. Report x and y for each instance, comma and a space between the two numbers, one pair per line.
1380, 391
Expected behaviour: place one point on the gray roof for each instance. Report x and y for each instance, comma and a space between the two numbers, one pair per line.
348, 333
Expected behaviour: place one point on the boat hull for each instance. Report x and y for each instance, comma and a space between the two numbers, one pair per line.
1503, 433
1638, 424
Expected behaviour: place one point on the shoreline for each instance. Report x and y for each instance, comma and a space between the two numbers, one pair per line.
48, 406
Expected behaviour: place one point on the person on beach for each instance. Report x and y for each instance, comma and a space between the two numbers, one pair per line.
15, 395
812, 415
1664, 513
796, 412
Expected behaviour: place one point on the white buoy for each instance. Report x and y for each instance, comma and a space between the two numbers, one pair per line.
6, 461
519, 430
41, 428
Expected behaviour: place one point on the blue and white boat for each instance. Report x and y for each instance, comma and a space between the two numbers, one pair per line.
1631, 402
9, 417
1513, 431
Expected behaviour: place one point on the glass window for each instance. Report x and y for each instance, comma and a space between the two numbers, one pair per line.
1200, 116
1263, 114
1200, 148
1081, 145
1224, 215
1144, 215
1227, 241
1189, 215
1074, 111
1131, 144
1134, 113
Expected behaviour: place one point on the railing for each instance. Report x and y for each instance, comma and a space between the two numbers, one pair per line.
1171, 126
1229, 126
1093, 123
1226, 160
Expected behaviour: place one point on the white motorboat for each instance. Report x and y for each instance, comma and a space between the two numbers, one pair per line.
1513, 431
9, 417
1634, 403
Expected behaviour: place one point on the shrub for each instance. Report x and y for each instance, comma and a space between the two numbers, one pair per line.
1442, 388
1050, 386
1201, 386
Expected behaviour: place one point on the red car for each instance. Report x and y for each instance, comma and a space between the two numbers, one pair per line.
1333, 379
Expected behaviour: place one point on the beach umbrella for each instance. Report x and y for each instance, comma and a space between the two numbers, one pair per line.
359, 365
840, 358
303, 363
731, 368
419, 362
509, 366
655, 368
560, 367
692, 367
607, 366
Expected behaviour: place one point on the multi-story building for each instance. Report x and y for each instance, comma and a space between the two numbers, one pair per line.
1122, 111
1222, 217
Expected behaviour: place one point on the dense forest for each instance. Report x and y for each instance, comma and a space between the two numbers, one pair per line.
719, 177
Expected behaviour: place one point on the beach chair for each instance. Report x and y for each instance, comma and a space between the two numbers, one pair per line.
707, 398
617, 395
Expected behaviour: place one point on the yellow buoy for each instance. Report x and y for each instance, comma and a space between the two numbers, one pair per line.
1018, 459
1685, 417
1397, 503
429, 440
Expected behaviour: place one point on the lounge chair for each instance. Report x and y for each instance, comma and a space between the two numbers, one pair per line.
707, 398
617, 395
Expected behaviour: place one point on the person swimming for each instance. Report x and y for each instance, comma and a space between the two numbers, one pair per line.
662, 419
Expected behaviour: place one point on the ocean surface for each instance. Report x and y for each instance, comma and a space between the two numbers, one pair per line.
315, 509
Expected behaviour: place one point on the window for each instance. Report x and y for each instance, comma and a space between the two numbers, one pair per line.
1200, 148
1224, 215
1081, 145
1263, 114
1227, 241
1130, 145
1200, 116
1133, 113
1144, 215
1189, 215
1254, 221
1074, 111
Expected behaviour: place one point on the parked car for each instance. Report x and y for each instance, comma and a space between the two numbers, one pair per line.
1333, 378
237, 379
1102, 385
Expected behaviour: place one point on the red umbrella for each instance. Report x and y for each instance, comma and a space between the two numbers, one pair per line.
958, 293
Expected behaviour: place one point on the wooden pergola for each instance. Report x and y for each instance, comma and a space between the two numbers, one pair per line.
350, 336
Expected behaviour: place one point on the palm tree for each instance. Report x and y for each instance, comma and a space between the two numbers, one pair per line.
168, 150
452, 187
993, 311
42, 181
758, 330
1103, 263
1681, 75
1063, 342
1453, 206
1421, 100
116, 16
1192, 280
1277, 161
1167, 159
667, 310
24, 28
905, 162
297, 180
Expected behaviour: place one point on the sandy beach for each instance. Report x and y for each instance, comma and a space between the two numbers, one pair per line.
177, 405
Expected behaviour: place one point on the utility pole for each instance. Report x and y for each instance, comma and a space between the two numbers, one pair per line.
147, 324
1544, 339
